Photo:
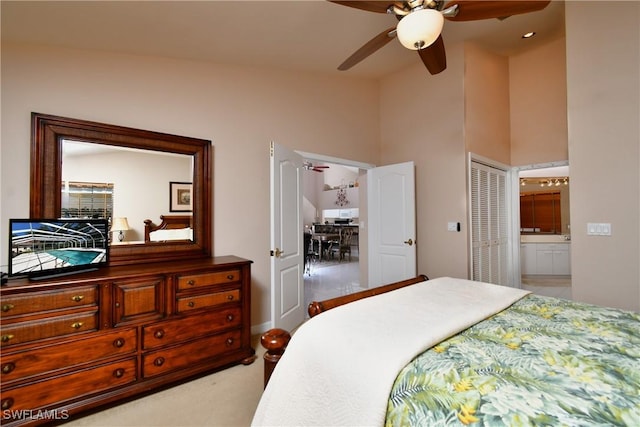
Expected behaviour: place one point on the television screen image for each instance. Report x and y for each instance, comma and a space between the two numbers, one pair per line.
49, 248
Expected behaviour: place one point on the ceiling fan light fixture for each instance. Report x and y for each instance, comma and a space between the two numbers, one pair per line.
420, 28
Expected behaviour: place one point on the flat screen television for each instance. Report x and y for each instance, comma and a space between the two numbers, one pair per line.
45, 248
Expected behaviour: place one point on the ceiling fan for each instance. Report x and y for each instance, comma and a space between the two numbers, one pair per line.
420, 23
311, 167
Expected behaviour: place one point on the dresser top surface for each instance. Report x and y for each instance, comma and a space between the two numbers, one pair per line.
174, 267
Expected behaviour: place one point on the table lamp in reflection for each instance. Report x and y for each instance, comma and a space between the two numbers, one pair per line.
120, 225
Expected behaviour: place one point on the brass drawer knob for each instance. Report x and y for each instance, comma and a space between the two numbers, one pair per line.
229, 317
230, 297
191, 282
118, 342
77, 325
229, 342
118, 373
77, 298
7, 368
7, 403
7, 307
159, 361
231, 277
191, 304
159, 334
7, 338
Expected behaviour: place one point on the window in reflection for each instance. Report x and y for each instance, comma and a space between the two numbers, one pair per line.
86, 200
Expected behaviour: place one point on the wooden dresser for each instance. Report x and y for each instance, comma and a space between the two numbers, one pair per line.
79, 342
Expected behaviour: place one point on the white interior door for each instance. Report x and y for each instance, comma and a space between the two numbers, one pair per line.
392, 223
287, 283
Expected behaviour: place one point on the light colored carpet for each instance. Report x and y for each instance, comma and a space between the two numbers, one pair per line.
227, 398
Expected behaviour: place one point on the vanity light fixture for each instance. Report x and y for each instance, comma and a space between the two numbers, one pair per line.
545, 182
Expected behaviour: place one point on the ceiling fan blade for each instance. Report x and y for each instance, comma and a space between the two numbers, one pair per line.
370, 6
434, 57
371, 46
473, 10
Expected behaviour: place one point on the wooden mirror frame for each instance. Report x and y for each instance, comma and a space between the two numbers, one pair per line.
47, 134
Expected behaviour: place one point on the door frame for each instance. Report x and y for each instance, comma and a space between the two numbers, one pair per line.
362, 232
338, 161
514, 174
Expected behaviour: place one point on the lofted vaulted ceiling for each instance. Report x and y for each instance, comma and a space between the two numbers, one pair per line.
306, 35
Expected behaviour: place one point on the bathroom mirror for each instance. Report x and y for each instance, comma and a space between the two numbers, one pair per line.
544, 201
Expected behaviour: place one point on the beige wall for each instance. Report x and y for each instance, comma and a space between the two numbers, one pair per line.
486, 112
603, 85
435, 121
240, 109
538, 105
422, 119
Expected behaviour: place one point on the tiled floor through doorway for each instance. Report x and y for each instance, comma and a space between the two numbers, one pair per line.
332, 278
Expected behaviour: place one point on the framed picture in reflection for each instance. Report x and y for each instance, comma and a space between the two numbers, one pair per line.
180, 196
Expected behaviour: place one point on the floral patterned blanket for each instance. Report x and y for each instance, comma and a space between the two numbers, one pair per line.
543, 361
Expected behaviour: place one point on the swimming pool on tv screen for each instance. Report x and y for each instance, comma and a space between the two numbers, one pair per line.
76, 256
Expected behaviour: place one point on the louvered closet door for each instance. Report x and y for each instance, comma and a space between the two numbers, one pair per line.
489, 224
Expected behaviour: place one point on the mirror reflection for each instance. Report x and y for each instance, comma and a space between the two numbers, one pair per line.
544, 201
126, 186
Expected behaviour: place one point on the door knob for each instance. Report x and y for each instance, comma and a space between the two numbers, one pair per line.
409, 242
277, 253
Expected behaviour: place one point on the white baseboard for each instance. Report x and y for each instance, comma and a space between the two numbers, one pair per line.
261, 328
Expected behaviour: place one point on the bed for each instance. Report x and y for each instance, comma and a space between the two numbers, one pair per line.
454, 352
171, 227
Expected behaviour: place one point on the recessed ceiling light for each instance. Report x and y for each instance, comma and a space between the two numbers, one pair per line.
528, 35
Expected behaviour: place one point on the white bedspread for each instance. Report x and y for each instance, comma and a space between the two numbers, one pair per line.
171, 234
340, 366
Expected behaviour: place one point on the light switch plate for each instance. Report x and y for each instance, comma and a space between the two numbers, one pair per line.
453, 226
599, 229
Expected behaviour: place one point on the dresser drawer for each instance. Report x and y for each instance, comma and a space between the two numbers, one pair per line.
66, 354
163, 361
21, 332
193, 281
48, 300
189, 328
187, 303
59, 389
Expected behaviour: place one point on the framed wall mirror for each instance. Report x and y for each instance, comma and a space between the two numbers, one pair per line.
129, 172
